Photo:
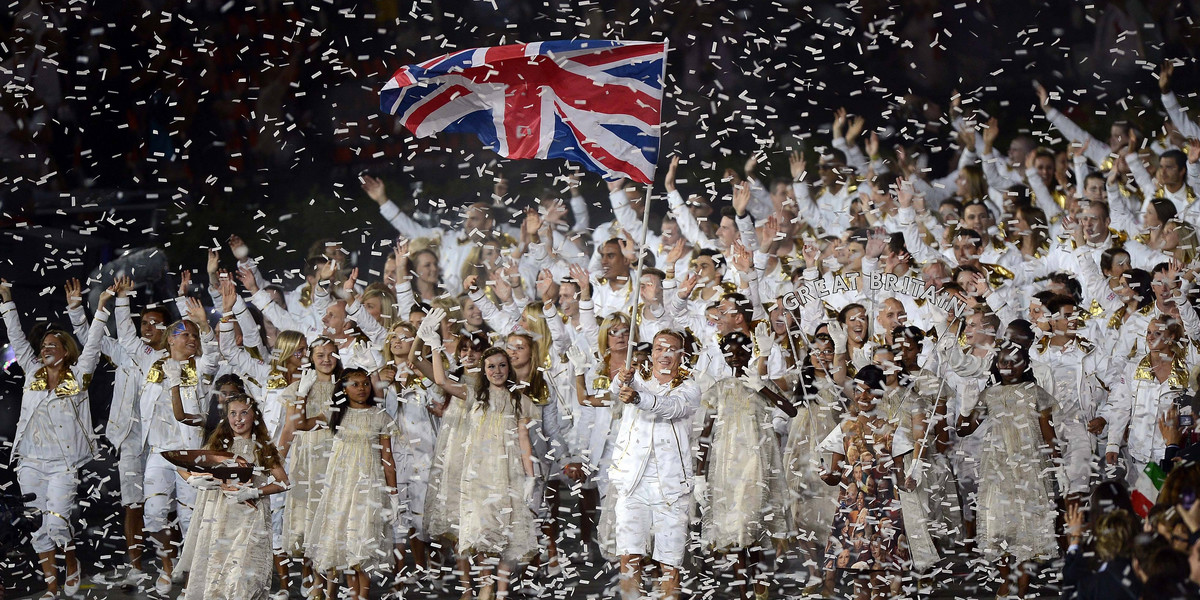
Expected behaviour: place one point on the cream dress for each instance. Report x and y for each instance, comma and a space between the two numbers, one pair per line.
812, 502
349, 528
1016, 500
307, 461
747, 493
494, 518
445, 476
227, 550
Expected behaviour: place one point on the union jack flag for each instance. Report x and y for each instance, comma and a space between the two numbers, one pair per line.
595, 102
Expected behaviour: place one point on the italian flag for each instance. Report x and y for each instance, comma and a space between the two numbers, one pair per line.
1145, 488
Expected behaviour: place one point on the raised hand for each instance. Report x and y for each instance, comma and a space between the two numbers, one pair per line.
857, 123
991, 131
238, 247
798, 165
872, 145
904, 193
1042, 94
770, 232
811, 253
74, 293
669, 179
213, 265
105, 295
582, 280
876, 244
545, 281
741, 259
577, 358
741, 198
839, 122
351, 281
1193, 151
1078, 150
124, 286
375, 189
5, 291
228, 293
751, 166
616, 184
689, 284
837, 333
533, 222
763, 339
185, 282
1164, 76
471, 283
248, 280
196, 314
1168, 426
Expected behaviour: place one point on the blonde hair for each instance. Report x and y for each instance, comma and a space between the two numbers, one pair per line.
539, 330
605, 328
69, 345
286, 344
473, 265
387, 346
387, 303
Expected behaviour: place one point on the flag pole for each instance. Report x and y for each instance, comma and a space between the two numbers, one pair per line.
637, 279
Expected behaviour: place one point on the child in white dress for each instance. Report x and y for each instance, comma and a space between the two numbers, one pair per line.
496, 522
227, 552
350, 529
306, 431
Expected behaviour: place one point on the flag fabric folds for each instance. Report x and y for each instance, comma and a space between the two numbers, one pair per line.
595, 102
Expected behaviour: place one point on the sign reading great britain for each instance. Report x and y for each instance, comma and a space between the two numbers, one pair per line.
808, 291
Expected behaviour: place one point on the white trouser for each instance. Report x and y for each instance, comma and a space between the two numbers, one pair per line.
644, 516
53, 484
165, 487
131, 470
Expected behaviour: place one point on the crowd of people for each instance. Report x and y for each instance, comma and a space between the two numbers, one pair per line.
432, 419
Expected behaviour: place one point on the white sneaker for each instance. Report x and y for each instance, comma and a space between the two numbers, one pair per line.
162, 584
280, 595
133, 578
71, 584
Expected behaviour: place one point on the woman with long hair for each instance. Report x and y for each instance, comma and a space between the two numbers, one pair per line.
227, 551
496, 524
422, 269
442, 496
346, 533
306, 431
53, 439
1030, 232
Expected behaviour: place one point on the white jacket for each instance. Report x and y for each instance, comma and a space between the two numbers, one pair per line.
1137, 402
60, 416
660, 420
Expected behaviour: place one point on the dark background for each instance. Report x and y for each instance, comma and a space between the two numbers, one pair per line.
176, 124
